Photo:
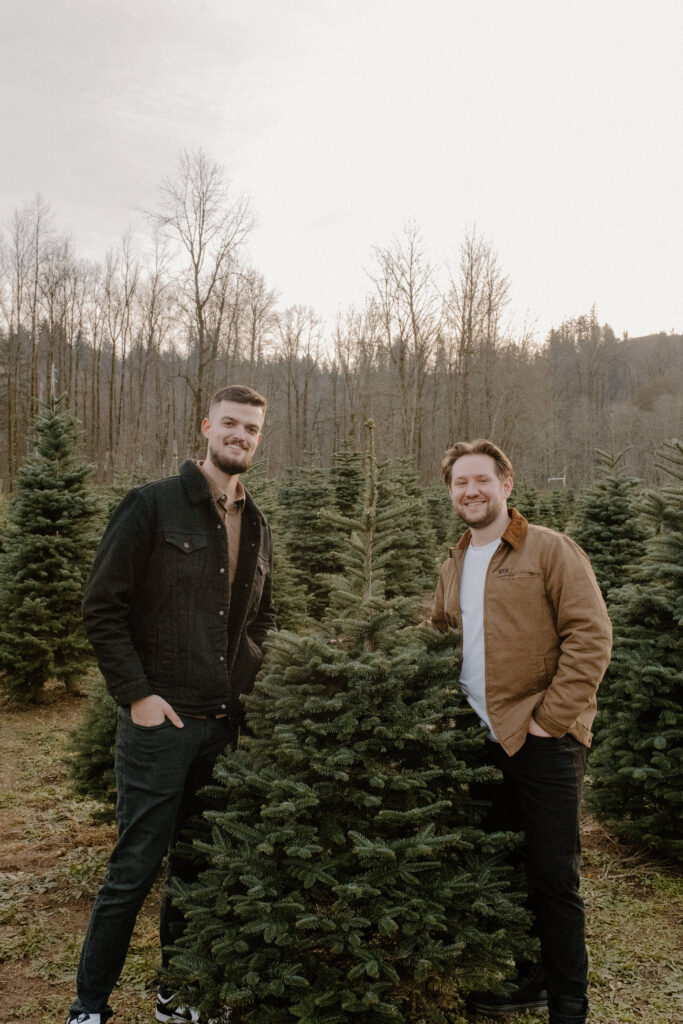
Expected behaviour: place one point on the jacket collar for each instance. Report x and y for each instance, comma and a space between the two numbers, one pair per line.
514, 535
197, 488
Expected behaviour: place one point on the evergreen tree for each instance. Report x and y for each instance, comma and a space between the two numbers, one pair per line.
314, 545
347, 480
90, 752
47, 554
347, 877
606, 524
637, 767
413, 568
289, 591
525, 497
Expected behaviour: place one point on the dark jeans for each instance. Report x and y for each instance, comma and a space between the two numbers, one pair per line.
158, 773
541, 797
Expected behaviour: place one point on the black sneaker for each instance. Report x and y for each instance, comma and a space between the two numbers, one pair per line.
529, 993
84, 1018
170, 1012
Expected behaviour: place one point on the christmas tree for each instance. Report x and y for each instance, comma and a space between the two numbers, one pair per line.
313, 545
413, 569
45, 560
90, 751
347, 877
606, 523
289, 591
637, 767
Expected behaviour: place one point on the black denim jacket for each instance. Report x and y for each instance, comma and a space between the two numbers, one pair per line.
159, 610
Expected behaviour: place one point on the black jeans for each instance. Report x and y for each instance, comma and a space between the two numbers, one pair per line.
541, 797
158, 773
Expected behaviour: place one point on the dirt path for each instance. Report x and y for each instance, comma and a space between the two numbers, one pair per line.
52, 858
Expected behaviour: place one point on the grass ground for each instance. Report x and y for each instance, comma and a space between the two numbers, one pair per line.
52, 857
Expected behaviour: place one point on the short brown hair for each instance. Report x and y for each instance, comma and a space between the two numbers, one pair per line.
479, 447
238, 393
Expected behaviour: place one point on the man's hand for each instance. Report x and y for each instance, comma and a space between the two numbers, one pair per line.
152, 710
535, 730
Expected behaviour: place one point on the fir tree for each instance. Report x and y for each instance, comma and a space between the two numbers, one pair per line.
47, 553
313, 545
637, 767
289, 591
347, 877
525, 497
90, 753
606, 524
347, 480
412, 570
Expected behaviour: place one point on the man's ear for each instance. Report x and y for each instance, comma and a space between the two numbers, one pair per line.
507, 486
205, 426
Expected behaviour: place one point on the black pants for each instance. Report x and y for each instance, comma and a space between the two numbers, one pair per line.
158, 773
541, 797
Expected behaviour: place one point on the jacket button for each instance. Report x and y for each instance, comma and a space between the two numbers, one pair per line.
219, 527
223, 707
221, 658
186, 544
221, 570
221, 612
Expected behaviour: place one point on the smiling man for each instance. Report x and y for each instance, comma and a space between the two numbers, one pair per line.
177, 607
536, 641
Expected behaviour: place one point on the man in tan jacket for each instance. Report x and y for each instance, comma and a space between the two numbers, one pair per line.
536, 641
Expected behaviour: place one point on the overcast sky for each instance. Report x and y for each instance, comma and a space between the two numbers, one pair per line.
555, 127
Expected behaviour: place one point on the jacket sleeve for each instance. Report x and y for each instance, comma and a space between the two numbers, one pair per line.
122, 554
264, 620
585, 634
437, 619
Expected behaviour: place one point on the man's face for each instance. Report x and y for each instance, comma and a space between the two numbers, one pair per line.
478, 494
233, 431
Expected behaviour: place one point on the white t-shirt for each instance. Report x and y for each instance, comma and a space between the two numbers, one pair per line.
473, 672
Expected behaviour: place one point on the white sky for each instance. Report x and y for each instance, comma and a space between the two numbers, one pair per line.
555, 127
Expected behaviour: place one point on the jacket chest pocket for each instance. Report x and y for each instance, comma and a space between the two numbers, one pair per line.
186, 555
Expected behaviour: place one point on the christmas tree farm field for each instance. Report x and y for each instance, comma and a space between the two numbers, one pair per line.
53, 852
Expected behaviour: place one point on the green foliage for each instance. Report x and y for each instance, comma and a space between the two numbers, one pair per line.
90, 750
525, 499
313, 544
347, 877
289, 591
607, 526
411, 570
637, 767
45, 559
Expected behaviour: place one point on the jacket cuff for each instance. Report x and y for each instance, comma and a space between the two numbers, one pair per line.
553, 728
136, 690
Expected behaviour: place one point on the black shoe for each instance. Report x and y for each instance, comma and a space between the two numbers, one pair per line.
529, 993
568, 1010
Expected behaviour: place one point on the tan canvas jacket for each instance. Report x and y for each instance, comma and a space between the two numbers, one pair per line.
547, 635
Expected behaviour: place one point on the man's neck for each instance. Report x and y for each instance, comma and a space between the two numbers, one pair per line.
487, 534
221, 482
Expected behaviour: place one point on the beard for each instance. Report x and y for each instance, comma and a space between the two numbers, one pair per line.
480, 520
231, 462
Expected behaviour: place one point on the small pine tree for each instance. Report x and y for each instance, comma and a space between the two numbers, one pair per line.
90, 751
525, 497
289, 591
637, 766
46, 558
347, 877
413, 568
313, 545
606, 524
347, 480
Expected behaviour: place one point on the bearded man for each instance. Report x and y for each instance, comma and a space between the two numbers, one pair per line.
536, 641
177, 607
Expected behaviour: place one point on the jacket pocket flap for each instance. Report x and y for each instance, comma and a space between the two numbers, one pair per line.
186, 542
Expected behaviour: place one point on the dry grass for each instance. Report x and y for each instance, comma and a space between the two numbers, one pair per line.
52, 858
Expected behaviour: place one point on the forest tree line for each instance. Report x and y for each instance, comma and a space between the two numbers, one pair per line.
140, 341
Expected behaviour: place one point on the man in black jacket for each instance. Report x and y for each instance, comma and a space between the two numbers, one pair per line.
177, 607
